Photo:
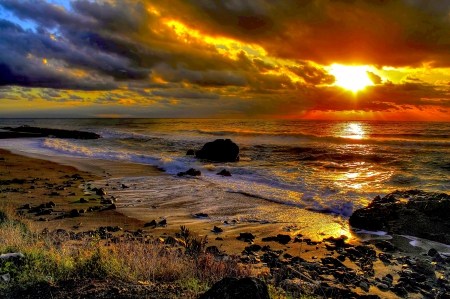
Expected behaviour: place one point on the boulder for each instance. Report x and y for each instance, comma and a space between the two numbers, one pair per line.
233, 288
221, 150
412, 212
246, 237
190, 152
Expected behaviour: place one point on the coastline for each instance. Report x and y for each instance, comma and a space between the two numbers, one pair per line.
310, 247
180, 210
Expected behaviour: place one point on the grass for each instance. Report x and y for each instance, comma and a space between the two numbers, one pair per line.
52, 258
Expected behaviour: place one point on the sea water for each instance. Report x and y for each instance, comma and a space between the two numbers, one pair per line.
324, 166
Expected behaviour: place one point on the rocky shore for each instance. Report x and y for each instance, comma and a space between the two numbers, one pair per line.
27, 132
410, 212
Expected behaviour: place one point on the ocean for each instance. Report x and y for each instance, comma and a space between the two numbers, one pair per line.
328, 167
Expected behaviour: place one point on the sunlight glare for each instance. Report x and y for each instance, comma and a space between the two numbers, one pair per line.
354, 131
353, 78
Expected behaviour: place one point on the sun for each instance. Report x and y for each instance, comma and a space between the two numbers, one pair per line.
353, 78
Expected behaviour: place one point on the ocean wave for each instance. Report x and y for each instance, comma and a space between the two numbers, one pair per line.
170, 165
411, 136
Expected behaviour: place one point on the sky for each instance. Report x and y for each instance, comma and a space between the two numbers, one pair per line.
291, 59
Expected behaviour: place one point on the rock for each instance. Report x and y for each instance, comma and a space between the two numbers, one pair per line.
412, 212
338, 242
11, 256
151, 223
221, 150
232, 288
74, 213
100, 191
385, 246
246, 237
125, 186
191, 172
383, 287
224, 172
280, 238
162, 222
217, 229
112, 207
82, 200
425, 267
364, 286
190, 152
6, 277
432, 252
253, 248
201, 215
27, 131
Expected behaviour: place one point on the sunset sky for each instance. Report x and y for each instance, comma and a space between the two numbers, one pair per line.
299, 59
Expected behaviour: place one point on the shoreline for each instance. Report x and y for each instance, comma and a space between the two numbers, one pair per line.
102, 171
308, 247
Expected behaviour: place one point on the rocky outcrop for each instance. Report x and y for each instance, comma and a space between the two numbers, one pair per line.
413, 212
220, 150
27, 131
231, 288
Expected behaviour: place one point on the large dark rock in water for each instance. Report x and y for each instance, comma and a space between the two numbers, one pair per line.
413, 212
221, 150
233, 288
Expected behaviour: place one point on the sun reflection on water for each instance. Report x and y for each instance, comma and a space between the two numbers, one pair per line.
353, 131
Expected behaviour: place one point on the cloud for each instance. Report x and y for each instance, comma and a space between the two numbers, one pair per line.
391, 33
208, 58
312, 74
374, 77
185, 94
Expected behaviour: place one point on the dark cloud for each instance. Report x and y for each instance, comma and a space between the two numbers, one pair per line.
392, 33
203, 78
267, 58
312, 74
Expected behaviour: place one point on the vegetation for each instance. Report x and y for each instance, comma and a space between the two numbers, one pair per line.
49, 258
